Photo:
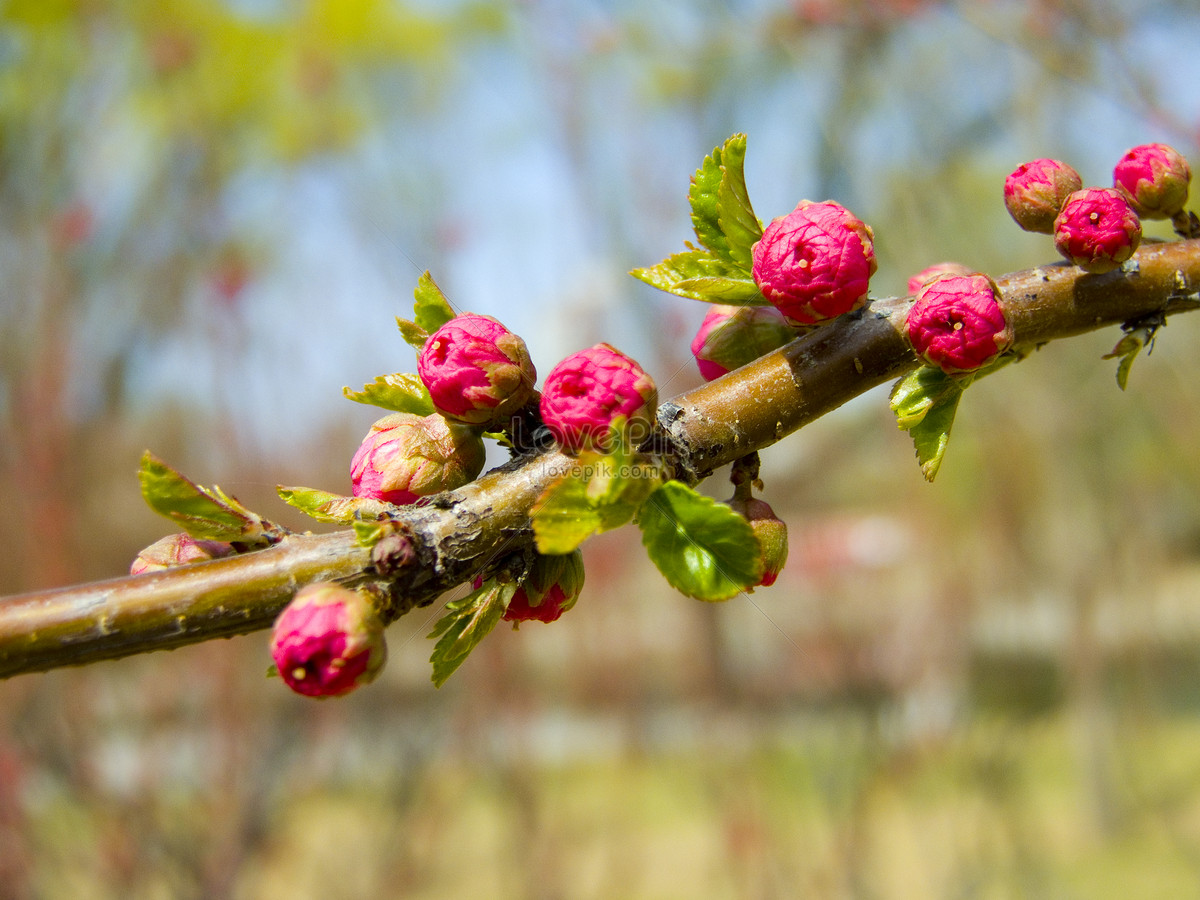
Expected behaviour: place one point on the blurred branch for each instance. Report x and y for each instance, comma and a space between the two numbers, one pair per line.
460, 533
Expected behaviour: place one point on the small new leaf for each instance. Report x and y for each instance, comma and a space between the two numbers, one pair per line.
204, 513
431, 309
1138, 334
413, 334
698, 275
401, 392
722, 217
327, 507
599, 493
466, 623
703, 548
925, 402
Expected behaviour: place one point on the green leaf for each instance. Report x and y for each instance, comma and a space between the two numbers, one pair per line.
735, 214
401, 392
326, 507
413, 334
722, 217
431, 309
719, 289
703, 548
925, 402
599, 493
698, 275
204, 513
466, 623
1139, 333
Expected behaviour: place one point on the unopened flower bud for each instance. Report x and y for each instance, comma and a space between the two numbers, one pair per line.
732, 336
814, 263
328, 641
937, 270
476, 370
956, 323
1154, 179
771, 532
550, 588
177, 550
1097, 230
405, 456
585, 393
1034, 194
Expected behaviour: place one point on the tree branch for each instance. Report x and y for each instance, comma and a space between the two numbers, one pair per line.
462, 532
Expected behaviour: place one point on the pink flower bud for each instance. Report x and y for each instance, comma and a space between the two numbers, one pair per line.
1154, 179
732, 336
1097, 230
587, 391
814, 263
929, 273
405, 456
1036, 191
476, 370
771, 532
328, 641
550, 588
177, 550
956, 323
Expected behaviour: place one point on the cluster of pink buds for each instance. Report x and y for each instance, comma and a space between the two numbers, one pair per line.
328, 641
815, 263
1099, 228
731, 336
177, 550
477, 371
956, 323
585, 395
405, 456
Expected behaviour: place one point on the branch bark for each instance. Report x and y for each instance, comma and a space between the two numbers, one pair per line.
462, 532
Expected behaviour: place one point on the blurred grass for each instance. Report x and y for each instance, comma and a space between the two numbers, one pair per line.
828, 808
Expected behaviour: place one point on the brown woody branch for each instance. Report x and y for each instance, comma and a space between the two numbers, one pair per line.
462, 532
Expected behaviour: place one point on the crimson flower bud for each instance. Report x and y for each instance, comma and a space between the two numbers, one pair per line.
1036, 191
328, 641
177, 550
771, 532
585, 393
1154, 178
814, 263
405, 456
929, 273
956, 323
476, 370
1097, 230
732, 336
550, 588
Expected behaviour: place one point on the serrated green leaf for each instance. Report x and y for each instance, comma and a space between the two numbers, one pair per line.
925, 403
675, 272
204, 513
917, 392
413, 334
431, 309
401, 392
722, 216
703, 548
467, 622
718, 289
736, 217
328, 507
702, 194
599, 493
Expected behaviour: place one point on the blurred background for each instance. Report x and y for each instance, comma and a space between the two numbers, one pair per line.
211, 211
